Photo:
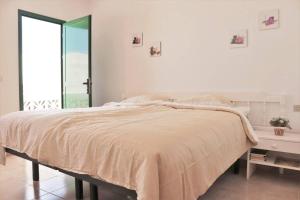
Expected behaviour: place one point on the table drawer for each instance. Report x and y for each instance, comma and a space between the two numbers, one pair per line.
276, 145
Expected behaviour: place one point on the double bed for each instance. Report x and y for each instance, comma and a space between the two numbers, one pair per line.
161, 149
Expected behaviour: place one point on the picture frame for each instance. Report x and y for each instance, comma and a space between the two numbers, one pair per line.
137, 40
269, 19
155, 49
239, 39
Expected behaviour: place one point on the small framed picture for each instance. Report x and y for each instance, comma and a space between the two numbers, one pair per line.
239, 39
269, 19
137, 39
155, 49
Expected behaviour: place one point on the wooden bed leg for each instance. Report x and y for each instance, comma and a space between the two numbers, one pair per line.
78, 188
93, 192
35, 171
236, 167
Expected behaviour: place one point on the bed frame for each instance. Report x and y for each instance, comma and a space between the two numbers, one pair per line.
94, 183
79, 178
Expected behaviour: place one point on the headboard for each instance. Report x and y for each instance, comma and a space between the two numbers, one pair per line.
263, 106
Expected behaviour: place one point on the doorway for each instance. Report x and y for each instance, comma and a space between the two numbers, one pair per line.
54, 62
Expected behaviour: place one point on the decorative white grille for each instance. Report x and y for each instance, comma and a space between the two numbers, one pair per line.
42, 105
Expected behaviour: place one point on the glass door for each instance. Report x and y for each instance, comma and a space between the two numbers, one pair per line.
40, 63
77, 83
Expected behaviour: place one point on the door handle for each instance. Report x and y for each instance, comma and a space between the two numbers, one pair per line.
88, 84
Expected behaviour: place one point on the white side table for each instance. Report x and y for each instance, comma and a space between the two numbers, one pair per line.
289, 143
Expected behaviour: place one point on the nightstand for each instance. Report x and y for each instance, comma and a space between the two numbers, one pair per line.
270, 147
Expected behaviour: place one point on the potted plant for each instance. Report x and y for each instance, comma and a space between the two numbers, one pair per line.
280, 124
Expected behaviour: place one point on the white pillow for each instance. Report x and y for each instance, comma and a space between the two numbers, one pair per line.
146, 98
206, 99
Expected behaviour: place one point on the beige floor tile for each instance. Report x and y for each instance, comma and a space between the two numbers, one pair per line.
68, 192
50, 197
56, 183
21, 192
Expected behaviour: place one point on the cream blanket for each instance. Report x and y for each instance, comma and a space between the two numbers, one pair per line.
164, 151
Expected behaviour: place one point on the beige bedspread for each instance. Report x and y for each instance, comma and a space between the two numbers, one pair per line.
164, 151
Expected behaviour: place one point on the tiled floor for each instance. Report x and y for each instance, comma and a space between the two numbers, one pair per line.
266, 184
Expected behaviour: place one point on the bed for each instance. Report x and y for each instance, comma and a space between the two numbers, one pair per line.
160, 149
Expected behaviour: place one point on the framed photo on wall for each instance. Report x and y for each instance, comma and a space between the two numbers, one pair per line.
155, 49
137, 39
239, 39
269, 19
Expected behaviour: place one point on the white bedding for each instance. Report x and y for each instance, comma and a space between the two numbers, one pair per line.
162, 150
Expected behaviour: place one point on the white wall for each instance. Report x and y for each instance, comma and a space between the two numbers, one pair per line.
195, 52
61, 9
194, 34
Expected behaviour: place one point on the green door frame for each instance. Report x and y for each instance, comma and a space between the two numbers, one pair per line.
23, 13
90, 62
89, 56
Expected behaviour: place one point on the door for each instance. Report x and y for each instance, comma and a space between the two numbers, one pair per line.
77, 82
40, 63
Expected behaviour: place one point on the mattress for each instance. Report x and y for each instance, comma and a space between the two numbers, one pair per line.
162, 150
